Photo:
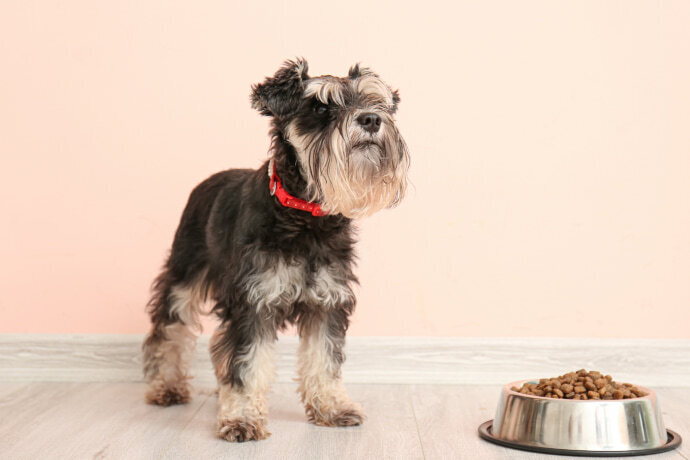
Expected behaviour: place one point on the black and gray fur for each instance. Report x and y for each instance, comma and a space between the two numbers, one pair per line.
263, 266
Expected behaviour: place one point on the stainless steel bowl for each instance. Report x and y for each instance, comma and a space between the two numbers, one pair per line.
625, 425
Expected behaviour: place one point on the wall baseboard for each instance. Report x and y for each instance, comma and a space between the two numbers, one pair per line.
401, 360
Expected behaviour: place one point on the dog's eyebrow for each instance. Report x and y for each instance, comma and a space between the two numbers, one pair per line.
326, 90
371, 85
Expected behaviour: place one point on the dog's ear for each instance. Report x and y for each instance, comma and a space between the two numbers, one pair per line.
280, 95
354, 72
357, 71
396, 101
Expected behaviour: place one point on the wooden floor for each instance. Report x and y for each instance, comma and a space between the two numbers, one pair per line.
110, 420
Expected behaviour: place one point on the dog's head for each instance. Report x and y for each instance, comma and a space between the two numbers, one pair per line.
343, 130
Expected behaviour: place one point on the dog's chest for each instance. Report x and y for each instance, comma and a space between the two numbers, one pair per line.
282, 284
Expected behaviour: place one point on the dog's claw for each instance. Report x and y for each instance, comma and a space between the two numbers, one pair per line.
241, 430
351, 415
347, 417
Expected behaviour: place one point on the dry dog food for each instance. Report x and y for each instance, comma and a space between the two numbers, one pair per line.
581, 385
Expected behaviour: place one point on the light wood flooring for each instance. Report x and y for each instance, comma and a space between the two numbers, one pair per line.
110, 420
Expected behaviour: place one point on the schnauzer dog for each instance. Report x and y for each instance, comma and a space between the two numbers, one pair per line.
274, 246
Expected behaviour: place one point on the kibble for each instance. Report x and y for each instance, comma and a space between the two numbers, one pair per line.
581, 385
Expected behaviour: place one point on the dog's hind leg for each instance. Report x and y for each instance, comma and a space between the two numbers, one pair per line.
168, 348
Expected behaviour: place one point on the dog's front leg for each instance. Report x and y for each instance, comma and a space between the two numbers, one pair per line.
242, 353
320, 356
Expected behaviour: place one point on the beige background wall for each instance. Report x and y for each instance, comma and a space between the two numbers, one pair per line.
550, 143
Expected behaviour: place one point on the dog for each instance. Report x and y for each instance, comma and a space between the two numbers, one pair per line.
274, 246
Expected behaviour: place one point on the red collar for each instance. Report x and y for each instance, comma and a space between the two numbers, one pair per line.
287, 200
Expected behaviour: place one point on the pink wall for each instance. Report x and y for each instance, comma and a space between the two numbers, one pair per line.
550, 143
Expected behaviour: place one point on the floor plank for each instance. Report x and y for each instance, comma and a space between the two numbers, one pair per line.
448, 418
8, 388
111, 420
675, 406
388, 433
87, 420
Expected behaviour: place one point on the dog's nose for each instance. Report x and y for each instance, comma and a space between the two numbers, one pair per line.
370, 122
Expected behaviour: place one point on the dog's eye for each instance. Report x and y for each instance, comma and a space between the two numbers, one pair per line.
320, 109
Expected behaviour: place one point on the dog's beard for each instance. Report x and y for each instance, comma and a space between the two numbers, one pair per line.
351, 172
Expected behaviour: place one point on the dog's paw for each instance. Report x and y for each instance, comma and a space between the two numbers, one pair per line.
241, 430
344, 415
164, 394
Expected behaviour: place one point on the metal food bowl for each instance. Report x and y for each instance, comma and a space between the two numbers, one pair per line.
619, 427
